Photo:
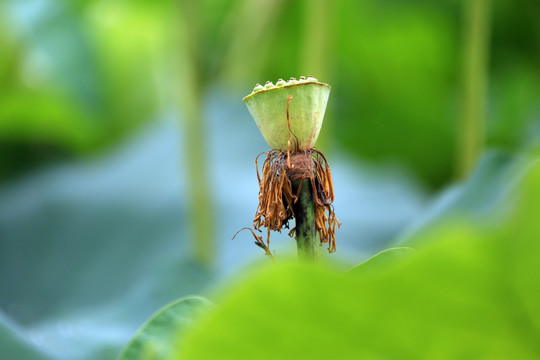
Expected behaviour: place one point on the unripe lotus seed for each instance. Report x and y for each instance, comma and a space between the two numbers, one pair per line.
302, 79
280, 82
269, 85
311, 78
258, 87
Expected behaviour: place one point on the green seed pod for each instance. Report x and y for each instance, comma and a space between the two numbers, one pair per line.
306, 111
269, 85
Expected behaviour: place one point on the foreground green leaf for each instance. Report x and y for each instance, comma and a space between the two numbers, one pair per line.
471, 294
382, 259
155, 338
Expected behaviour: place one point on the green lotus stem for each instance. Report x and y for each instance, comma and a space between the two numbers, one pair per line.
316, 48
472, 127
304, 213
191, 107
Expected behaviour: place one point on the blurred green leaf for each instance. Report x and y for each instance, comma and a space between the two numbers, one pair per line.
473, 293
155, 338
88, 251
483, 197
76, 76
16, 345
395, 82
382, 259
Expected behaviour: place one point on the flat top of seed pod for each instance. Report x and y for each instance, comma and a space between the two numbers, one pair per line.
269, 86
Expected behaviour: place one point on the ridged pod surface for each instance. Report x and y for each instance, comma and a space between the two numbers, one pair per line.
268, 107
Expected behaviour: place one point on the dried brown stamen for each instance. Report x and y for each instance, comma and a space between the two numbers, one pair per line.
276, 196
258, 241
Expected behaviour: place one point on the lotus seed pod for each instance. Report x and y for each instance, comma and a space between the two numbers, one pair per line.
306, 111
269, 85
258, 87
280, 82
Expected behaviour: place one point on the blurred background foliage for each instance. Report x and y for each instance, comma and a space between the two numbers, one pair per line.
76, 76
126, 154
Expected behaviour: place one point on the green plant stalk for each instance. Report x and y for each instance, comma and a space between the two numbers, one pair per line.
316, 49
191, 107
304, 213
201, 209
472, 127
